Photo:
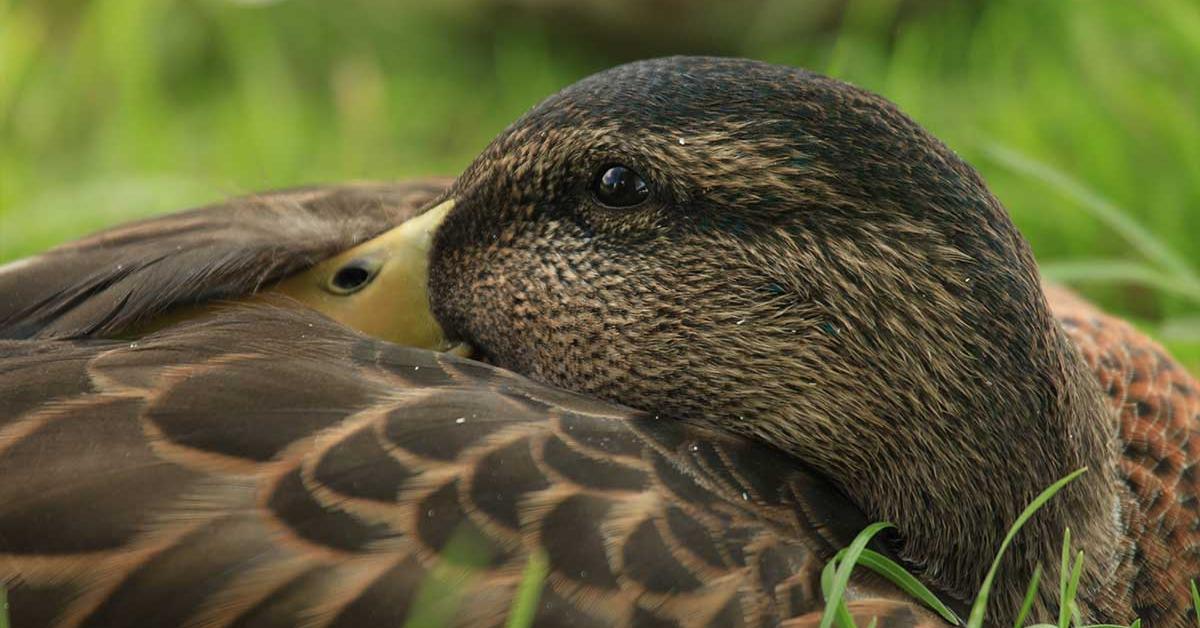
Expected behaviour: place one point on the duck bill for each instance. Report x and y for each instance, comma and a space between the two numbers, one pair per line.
379, 287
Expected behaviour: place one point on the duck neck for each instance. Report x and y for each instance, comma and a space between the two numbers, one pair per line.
953, 430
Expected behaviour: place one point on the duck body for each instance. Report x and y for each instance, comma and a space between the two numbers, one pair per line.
271, 468
832, 319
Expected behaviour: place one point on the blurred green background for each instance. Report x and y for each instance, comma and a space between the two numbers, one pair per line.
1084, 115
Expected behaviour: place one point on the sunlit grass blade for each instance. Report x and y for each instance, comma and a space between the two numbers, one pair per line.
836, 587
1184, 19
1186, 328
4, 607
841, 614
1149, 245
1113, 271
1064, 571
979, 607
529, 592
1030, 595
440, 593
1068, 601
898, 576
1196, 602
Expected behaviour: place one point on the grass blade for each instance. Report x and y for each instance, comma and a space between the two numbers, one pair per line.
439, 595
1183, 328
1196, 601
1121, 271
530, 590
1030, 594
1068, 601
1064, 572
979, 607
841, 614
898, 576
1119, 220
841, 577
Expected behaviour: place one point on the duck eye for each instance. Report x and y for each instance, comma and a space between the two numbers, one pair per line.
618, 186
352, 277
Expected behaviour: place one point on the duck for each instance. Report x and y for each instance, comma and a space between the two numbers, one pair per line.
687, 325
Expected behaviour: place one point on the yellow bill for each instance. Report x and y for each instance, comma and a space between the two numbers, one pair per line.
379, 287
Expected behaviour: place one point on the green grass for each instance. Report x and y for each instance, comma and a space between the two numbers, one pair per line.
837, 573
1080, 114
525, 603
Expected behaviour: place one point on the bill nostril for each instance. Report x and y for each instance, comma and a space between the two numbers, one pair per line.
352, 277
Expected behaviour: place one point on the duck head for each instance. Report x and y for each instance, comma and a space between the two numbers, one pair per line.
775, 253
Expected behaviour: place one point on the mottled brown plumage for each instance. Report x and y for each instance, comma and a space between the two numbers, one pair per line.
1156, 403
812, 272
272, 468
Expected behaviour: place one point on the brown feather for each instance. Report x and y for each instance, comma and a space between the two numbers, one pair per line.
272, 468
1155, 403
116, 280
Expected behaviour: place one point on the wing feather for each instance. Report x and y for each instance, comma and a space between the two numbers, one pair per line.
110, 282
237, 471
